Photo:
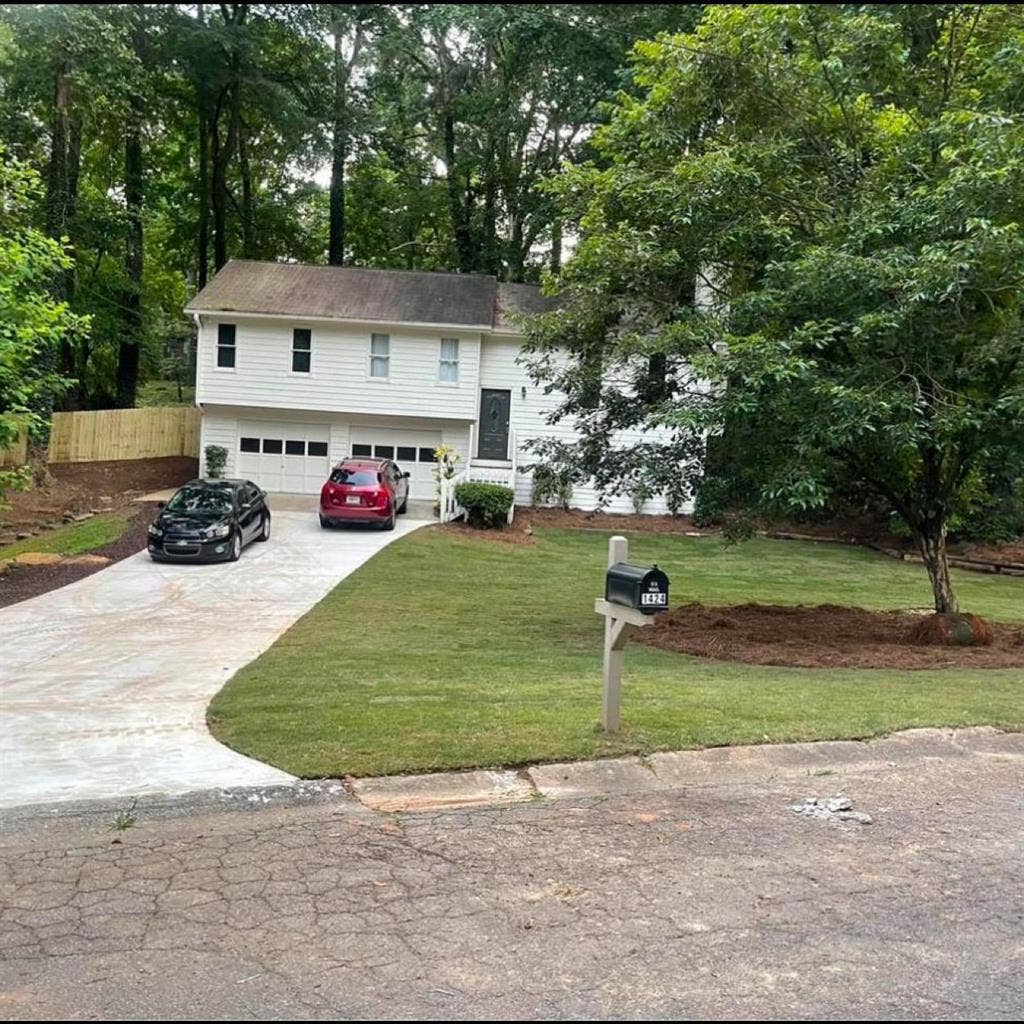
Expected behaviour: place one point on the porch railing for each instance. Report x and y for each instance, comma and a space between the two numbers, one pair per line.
503, 475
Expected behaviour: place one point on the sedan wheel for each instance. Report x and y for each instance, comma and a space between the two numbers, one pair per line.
264, 533
236, 547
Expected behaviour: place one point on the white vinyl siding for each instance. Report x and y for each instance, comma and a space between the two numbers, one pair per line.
338, 378
530, 406
380, 356
448, 371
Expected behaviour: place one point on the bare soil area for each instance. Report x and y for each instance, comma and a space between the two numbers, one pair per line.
77, 487
826, 636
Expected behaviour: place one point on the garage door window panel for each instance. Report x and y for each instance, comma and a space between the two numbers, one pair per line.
249, 444
295, 447
272, 446
317, 449
384, 451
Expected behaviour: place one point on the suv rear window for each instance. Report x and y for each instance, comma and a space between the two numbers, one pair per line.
354, 477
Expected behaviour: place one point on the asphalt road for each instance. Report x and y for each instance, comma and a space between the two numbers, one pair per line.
714, 900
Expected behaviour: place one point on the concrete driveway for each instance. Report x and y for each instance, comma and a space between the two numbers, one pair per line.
104, 683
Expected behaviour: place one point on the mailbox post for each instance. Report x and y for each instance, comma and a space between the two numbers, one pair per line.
632, 595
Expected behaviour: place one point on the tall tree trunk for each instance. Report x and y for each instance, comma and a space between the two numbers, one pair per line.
516, 250
555, 261
203, 187
248, 212
57, 215
74, 356
130, 344
459, 213
931, 540
223, 151
339, 154
491, 256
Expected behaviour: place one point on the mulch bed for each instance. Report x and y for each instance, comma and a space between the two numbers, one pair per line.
19, 583
826, 636
577, 519
508, 535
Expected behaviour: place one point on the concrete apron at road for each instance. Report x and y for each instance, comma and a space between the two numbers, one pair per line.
104, 683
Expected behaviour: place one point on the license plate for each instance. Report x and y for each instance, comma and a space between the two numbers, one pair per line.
351, 499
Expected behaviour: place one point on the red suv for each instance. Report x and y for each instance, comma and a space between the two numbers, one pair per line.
364, 491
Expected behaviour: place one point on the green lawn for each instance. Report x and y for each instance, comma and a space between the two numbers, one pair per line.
446, 651
75, 538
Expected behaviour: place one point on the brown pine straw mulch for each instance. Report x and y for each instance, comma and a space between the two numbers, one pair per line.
826, 636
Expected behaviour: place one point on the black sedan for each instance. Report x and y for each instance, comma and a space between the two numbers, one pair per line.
210, 521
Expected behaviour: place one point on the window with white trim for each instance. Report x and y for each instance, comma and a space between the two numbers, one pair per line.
226, 346
380, 356
302, 349
449, 368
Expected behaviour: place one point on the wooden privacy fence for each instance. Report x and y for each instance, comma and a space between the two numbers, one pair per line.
112, 434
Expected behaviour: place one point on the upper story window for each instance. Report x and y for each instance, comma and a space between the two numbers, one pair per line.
449, 368
302, 345
380, 356
226, 345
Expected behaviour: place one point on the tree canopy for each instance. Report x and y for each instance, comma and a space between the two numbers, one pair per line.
171, 137
802, 243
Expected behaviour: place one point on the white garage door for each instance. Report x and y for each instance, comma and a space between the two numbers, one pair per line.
288, 457
412, 450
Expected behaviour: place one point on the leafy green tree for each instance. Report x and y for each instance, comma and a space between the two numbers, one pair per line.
807, 232
32, 323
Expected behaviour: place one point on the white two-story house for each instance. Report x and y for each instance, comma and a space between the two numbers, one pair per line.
300, 366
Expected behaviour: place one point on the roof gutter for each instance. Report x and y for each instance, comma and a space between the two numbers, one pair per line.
337, 319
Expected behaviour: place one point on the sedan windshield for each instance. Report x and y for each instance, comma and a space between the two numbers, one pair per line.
201, 501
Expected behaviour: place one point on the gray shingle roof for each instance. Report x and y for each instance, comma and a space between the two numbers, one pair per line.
518, 300
355, 293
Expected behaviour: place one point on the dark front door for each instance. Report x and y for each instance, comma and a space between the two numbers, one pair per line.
495, 405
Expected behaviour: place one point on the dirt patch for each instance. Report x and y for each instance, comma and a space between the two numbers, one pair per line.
20, 582
90, 486
826, 636
1011, 553
510, 535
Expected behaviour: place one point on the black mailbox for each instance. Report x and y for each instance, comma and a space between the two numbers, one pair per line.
643, 587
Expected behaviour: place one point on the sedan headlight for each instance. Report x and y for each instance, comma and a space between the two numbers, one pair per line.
218, 531
155, 531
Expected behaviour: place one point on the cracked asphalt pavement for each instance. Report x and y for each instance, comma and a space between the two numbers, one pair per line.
710, 900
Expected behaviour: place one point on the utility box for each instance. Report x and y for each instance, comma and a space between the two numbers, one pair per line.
641, 587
